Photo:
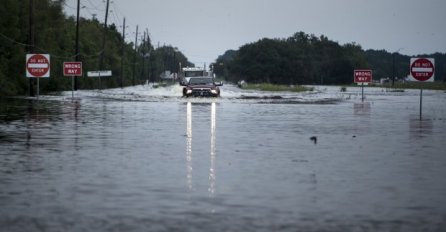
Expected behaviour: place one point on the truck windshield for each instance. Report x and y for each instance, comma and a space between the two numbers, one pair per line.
201, 81
193, 74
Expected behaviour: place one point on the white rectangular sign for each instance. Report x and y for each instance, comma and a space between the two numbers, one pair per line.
105, 73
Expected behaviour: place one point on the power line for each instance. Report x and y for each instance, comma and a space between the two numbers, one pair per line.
88, 9
117, 22
71, 7
46, 51
14, 41
94, 6
115, 12
117, 8
93, 9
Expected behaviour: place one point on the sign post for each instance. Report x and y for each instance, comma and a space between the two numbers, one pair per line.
422, 70
72, 69
37, 66
362, 77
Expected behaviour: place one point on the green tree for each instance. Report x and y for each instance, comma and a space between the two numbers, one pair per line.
299, 59
55, 35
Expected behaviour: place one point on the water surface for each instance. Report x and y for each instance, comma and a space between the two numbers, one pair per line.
146, 159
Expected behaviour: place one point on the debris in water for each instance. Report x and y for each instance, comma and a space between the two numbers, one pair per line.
314, 139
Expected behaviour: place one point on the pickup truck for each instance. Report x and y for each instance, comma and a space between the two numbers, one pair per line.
201, 87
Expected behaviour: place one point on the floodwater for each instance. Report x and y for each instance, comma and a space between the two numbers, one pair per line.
146, 159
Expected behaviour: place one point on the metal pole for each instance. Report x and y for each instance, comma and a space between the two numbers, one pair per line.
38, 88
150, 70
122, 55
143, 50
362, 87
149, 52
31, 43
72, 88
74, 83
393, 69
101, 60
421, 103
99, 77
134, 58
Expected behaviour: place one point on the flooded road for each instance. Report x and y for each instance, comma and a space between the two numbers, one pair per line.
146, 159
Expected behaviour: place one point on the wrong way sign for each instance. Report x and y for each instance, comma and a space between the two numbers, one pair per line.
362, 76
37, 65
422, 69
72, 68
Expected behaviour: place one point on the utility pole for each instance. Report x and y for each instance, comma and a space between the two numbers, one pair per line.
393, 69
149, 51
122, 54
31, 43
143, 47
393, 65
101, 61
134, 58
77, 43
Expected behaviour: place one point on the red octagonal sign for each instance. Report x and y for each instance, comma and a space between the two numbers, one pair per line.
37, 65
422, 69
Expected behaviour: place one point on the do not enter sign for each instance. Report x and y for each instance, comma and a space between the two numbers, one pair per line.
422, 69
37, 65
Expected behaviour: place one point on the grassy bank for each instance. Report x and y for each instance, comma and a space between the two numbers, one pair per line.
424, 85
418, 85
273, 87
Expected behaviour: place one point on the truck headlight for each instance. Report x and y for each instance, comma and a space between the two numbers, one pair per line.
214, 91
188, 91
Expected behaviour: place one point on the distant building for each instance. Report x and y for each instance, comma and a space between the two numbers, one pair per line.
166, 75
384, 80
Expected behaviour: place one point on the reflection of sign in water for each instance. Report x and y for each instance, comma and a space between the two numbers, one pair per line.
212, 171
361, 108
420, 128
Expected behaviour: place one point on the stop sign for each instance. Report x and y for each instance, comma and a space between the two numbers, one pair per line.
422, 69
37, 65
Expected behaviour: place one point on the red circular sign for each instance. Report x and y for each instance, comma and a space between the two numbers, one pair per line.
38, 65
422, 69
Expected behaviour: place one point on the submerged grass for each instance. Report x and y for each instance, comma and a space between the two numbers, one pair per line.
274, 87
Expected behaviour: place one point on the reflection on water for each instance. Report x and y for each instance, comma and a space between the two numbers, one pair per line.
212, 174
189, 144
112, 165
361, 109
420, 127
189, 161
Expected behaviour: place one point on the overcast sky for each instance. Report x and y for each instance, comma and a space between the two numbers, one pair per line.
205, 29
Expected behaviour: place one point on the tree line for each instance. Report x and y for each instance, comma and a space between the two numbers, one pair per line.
308, 59
54, 34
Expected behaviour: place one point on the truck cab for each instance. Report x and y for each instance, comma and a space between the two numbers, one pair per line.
197, 83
